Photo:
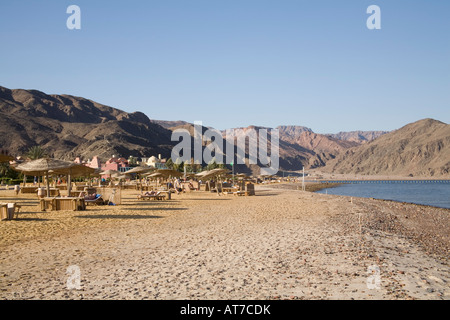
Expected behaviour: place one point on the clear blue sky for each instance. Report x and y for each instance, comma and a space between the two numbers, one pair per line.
238, 62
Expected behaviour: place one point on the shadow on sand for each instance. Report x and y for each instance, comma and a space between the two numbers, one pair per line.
150, 202
203, 199
118, 216
31, 219
153, 209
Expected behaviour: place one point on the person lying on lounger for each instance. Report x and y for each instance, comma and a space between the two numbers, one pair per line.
93, 196
151, 193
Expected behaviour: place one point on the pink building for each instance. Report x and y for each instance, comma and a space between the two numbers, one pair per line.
115, 164
95, 163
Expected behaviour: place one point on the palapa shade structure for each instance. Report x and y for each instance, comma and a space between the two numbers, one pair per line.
170, 173
154, 175
41, 167
212, 173
241, 176
141, 169
109, 173
121, 175
77, 170
165, 173
96, 173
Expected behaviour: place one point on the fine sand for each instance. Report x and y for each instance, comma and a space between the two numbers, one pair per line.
279, 244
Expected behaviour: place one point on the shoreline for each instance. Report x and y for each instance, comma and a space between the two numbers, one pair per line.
309, 186
342, 176
314, 187
405, 206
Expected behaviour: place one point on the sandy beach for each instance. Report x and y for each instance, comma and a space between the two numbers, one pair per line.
279, 244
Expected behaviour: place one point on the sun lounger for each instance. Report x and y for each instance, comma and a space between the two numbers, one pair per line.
157, 196
98, 200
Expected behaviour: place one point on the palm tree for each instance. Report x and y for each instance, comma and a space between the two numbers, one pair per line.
7, 172
36, 152
4, 168
169, 163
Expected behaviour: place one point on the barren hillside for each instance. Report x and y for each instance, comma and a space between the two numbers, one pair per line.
421, 148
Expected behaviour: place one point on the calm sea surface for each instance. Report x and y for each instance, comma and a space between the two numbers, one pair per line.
431, 194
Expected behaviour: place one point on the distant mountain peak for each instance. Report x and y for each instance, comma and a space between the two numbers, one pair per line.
293, 130
358, 136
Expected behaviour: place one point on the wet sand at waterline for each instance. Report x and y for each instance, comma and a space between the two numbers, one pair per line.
279, 244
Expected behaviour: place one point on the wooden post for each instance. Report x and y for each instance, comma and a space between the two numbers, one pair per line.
69, 184
303, 180
48, 184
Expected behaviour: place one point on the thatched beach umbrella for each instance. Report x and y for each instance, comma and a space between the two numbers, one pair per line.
154, 175
201, 174
41, 167
212, 173
121, 175
77, 170
241, 176
141, 169
170, 173
109, 172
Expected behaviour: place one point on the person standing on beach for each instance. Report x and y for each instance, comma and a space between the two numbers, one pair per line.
178, 186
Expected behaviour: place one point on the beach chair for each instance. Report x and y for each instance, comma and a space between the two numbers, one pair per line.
157, 196
98, 200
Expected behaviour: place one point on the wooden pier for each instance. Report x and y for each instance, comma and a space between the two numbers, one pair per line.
385, 181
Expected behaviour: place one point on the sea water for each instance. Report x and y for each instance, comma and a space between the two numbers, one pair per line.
436, 194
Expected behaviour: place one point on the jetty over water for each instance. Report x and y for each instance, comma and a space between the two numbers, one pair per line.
385, 181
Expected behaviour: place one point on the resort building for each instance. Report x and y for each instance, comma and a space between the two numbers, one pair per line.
118, 164
155, 162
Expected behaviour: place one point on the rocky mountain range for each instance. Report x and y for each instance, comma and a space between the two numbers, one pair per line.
358, 136
421, 148
68, 127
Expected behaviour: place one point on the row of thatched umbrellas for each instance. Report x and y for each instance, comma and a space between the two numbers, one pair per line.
48, 166
165, 173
